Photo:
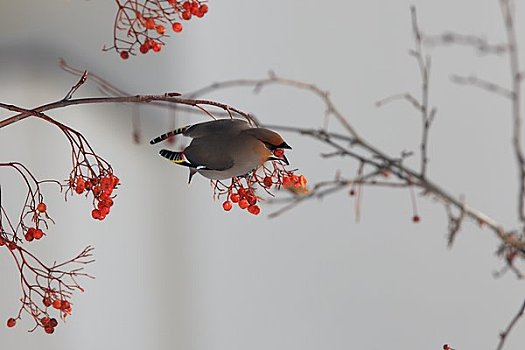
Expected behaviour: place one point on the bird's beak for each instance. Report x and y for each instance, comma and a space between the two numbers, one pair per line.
284, 145
282, 159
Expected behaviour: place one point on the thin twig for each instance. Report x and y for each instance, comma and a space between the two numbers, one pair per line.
482, 84
481, 45
508, 12
503, 335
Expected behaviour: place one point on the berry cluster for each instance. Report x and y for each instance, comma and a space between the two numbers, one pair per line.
42, 317
49, 324
242, 190
143, 23
245, 198
101, 187
294, 182
39, 215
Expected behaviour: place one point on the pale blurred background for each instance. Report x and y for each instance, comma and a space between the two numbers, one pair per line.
174, 271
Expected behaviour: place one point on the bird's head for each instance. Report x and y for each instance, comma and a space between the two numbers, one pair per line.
273, 142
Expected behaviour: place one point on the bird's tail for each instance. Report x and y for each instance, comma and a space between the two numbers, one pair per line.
168, 134
175, 157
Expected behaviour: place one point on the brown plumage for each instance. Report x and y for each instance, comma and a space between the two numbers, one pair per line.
224, 148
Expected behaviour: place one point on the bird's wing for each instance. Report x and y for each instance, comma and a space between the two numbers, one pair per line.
209, 153
221, 126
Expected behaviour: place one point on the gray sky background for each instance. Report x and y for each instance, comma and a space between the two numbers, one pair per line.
173, 271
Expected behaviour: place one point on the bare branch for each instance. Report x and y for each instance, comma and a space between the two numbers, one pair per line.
406, 96
481, 45
482, 84
508, 12
503, 335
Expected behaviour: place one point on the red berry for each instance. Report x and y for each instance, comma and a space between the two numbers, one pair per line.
108, 202
46, 301
29, 237
65, 305
416, 219
11, 322
172, 2
268, 181
41, 207
254, 209
177, 27
144, 48
38, 233
49, 330
186, 15
150, 23
227, 206
302, 181
186, 5
251, 199
116, 180
104, 211
95, 213
31, 232
203, 8
12, 245
279, 152
106, 183
243, 204
287, 182
96, 191
53, 322
45, 321
104, 195
157, 47
235, 197
57, 304
160, 29
124, 55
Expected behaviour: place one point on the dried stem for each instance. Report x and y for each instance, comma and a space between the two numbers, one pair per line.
508, 12
503, 335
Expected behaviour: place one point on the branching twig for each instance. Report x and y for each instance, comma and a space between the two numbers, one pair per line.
503, 335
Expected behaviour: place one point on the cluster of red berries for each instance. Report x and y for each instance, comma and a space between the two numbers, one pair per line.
46, 322
245, 199
294, 182
102, 187
58, 304
35, 232
49, 324
189, 9
155, 27
11, 245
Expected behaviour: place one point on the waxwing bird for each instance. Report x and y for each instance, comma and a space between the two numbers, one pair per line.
224, 148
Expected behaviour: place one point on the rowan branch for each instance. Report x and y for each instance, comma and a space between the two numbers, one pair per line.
503, 335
